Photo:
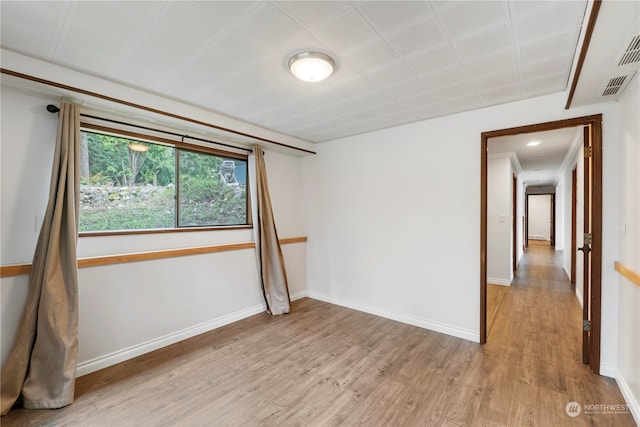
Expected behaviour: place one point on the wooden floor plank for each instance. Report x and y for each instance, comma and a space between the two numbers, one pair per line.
325, 365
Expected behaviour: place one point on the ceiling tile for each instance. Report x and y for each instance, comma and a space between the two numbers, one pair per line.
87, 59
235, 49
268, 27
507, 77
421, 35
540, 23
201, 26
313, 13
32, 27
34, 17
462, 89
471, 16
371, 55
484, 43
433, 60
33, 44
406, 88
351, 85
445, 77
90, 28
385, 15
501, 95
346, 31
548, 83
172, 47
547, 66
550, 46
389, 74
525, 6
490, 64
227, 12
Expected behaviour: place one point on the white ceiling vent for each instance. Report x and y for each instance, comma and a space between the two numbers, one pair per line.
614, 85
623, 68
631, 54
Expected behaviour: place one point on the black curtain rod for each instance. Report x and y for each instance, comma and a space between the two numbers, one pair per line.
54, 109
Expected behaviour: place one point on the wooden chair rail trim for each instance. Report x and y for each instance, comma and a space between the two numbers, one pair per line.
19, 269
628, 272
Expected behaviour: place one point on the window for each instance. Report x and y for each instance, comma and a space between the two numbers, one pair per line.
130, 184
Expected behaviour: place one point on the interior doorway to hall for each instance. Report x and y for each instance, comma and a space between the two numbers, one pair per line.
532, 261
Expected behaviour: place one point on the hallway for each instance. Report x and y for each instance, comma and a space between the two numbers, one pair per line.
538, 339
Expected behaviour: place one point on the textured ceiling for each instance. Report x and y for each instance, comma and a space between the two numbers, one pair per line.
397, 62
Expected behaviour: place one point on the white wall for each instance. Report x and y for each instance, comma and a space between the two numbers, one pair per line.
540, 217
628, 374
128, 309
409, 247
499, 219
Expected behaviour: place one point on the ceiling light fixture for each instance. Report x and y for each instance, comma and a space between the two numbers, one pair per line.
533, 143
311, 66
138, 147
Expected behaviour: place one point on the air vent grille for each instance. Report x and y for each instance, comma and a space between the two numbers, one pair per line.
632, 54
614, 85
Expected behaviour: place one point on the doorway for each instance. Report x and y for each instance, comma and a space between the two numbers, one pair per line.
541, 219
592, 251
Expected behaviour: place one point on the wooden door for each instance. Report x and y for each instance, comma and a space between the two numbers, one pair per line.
586, 250
574, 220
514, 231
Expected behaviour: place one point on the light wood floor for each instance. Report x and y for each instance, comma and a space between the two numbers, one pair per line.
495, 296
325, 365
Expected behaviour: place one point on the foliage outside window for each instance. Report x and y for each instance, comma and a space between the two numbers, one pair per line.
126, 184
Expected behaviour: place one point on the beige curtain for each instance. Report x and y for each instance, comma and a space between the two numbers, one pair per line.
271, 267
41, 367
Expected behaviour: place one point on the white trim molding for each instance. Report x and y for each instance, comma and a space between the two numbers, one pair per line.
496, 281
119, 356
632, 402
431, 325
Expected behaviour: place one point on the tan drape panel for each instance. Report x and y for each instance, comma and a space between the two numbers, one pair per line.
42, 364
270, 261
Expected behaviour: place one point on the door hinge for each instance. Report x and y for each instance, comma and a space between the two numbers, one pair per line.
586, 325
587, 151
586, 239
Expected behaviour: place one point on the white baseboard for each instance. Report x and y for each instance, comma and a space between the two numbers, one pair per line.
298, 295
632, 401
119, 356
495, 281
608, 370
455, 331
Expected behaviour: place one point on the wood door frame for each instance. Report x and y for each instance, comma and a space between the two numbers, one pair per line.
552, 231
595, 125
574, 226
514, 230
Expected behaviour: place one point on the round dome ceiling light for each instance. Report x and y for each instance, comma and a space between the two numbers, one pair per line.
311, 66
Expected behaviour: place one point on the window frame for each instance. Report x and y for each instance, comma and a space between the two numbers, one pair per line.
178, 146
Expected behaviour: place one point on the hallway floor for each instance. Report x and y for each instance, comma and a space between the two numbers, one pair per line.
537, 337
